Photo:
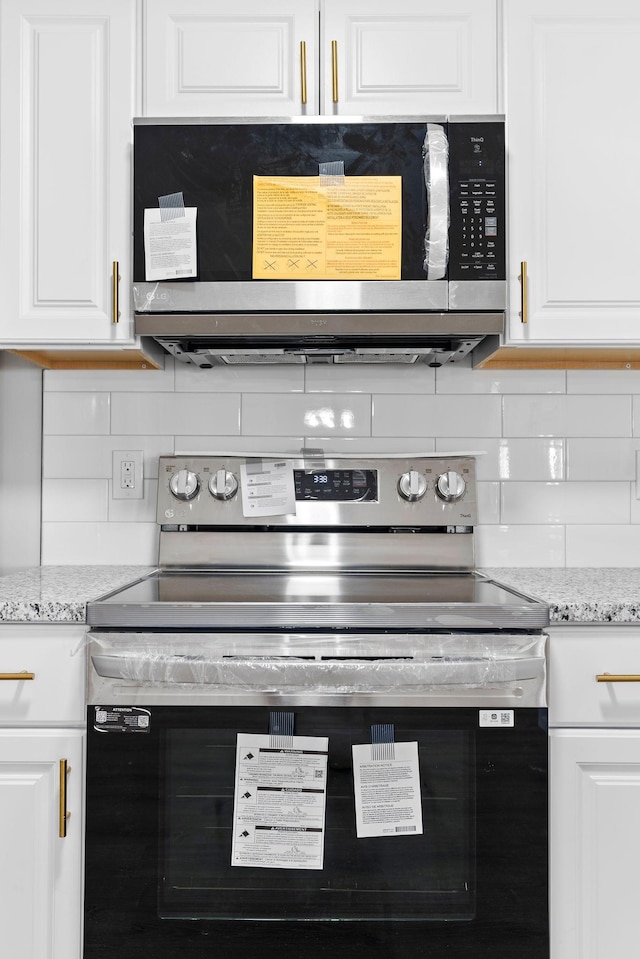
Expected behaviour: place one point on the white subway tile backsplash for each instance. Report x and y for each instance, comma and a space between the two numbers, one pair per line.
239, 379
556, 478
394, 378
239, 444
109, 544
603, 381
313, 414
83, 381
434, 416
550, 503
207, 413
520, 546
75, 500
135, 510
603, 546
69, 413
462, 378
512, 458
567, 415
488, 503
602, 459
377, 446
89, 457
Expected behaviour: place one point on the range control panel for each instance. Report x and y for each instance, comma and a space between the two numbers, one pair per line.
477, 204
324, 492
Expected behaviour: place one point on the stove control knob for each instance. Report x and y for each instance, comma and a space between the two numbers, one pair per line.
450, 486
223, 485
412, 486
184, 484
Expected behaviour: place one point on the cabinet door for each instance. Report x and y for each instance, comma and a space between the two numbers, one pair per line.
41, 874
66, 103
572, 72
241, 59
408, 57
595, 843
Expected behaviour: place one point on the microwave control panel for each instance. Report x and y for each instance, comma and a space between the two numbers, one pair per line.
477, 201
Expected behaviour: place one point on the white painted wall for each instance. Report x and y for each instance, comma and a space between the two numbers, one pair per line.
557, 481
20, 447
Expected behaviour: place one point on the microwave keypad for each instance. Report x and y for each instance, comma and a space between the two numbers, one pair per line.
478, 254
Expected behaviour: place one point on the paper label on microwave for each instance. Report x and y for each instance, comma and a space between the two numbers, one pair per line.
327, 228
121, 719
279, 802
387, 791
170, 246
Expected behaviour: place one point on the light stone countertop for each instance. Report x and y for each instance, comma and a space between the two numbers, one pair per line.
576, 595
58, 594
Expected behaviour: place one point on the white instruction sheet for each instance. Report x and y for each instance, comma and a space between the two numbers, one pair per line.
387, 791
279, 802
170, 246
267, 488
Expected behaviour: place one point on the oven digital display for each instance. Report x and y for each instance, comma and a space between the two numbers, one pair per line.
345, 486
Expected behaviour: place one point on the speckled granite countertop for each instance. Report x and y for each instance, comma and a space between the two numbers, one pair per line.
57, 594
577, 595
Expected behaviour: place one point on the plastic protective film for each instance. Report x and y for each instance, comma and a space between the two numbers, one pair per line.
436, 164
337, 664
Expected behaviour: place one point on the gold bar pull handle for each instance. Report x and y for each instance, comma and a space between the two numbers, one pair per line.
303, 73
18, 677
64, 815
115, 290
617, 678
524, 293
334, 70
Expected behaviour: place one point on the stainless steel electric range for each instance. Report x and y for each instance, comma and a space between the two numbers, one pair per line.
316, 726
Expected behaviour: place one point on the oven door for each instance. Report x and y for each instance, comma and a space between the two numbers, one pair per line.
160, 817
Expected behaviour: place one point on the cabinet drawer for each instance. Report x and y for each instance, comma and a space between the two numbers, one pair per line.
55, 656
577, 656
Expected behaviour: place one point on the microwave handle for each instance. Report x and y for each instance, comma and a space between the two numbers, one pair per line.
436, 178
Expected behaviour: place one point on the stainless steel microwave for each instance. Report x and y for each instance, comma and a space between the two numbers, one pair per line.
445, 291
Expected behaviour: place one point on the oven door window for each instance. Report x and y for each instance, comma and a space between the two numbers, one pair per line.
428, 876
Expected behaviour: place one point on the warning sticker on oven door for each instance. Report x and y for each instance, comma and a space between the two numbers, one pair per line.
121, 719
279, 802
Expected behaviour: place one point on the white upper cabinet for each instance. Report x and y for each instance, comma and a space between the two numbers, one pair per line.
411, 56
213, 58
66, 103
302, 57
572, 77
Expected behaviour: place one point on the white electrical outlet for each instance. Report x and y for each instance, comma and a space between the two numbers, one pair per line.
126, 474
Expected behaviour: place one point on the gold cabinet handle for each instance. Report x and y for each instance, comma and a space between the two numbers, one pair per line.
115, 290
524, 293
334, 70
617, 678
303, 72
18, 677
64, 816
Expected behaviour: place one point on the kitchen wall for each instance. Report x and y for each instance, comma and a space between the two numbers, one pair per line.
20, 443
557, 475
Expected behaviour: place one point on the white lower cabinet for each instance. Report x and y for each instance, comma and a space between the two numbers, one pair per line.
41, 873
41, 791
595, 791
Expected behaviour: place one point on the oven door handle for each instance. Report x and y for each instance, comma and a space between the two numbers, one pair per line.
279, 672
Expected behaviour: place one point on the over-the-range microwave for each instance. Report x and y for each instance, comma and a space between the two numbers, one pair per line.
415, 271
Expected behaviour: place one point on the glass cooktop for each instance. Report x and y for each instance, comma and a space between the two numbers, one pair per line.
180, 598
